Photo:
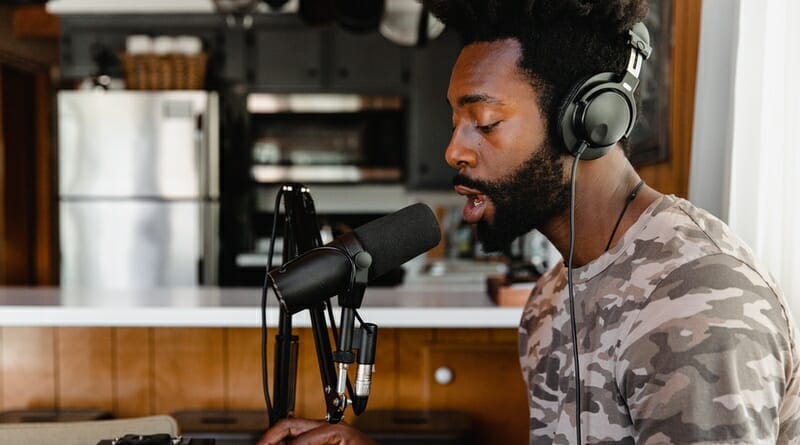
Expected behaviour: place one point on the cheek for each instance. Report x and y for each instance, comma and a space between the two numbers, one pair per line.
512, 148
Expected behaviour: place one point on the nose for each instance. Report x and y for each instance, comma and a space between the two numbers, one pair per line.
459, 155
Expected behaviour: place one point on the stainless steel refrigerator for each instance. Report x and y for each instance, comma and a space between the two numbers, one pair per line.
138, 188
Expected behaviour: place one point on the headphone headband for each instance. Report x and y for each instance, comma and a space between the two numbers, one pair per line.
601, 110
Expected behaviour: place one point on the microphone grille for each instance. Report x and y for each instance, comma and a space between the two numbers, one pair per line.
396, 238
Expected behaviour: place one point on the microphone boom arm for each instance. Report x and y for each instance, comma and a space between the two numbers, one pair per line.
345, 266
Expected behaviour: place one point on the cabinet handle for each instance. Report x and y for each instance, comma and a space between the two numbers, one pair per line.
443, 375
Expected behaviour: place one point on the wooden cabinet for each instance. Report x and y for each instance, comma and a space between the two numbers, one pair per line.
482, 380
430, 130
143, 371
29, 368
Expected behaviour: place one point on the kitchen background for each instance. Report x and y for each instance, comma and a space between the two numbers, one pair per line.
102, 151
350, 105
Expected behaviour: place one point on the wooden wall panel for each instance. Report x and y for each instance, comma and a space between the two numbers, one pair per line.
408, 371
18, 113
46, 241
505, 335
27, 192
28, 367
673, 176
133, 371
33, 21
188, 369
310, 398
3, 252
84, 368
243, 388
461, 336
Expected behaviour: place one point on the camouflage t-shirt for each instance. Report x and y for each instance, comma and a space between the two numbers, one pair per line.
682, 339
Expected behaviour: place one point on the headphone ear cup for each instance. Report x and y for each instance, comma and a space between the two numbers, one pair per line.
598, 112
606, 118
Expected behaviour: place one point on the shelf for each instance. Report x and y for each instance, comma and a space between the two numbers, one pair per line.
326, 174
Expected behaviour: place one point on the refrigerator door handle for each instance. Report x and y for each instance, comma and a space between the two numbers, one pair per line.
200, 146
209, 247
212, 144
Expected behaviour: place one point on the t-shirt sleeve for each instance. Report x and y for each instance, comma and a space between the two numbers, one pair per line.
708, 358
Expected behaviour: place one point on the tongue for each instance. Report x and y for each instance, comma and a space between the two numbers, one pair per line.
472, 213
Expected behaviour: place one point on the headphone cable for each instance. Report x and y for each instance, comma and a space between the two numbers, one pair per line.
573, 324
628, 201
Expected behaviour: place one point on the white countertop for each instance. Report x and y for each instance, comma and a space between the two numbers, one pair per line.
416, 305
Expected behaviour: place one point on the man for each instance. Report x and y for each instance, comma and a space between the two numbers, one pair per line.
681, 336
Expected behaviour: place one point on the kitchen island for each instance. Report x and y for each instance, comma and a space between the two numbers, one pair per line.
413, 305
156, 351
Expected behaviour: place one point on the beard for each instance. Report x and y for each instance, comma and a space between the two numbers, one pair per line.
524, 199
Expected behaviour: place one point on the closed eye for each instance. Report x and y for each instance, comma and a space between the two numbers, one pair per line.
488, 128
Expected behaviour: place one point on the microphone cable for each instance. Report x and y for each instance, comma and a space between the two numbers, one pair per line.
573, 324
264, 290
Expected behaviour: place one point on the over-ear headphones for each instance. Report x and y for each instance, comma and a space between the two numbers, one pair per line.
600, 110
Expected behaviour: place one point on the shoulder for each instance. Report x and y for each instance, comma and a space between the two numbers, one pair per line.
676, 240
710, 300
712, 341
696, 232
699, 268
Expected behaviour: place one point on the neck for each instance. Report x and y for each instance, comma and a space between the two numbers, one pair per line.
602, 189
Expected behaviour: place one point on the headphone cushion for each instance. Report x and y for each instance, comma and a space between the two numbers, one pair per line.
566, 112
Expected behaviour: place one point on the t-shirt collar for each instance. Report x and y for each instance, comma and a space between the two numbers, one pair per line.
601, 263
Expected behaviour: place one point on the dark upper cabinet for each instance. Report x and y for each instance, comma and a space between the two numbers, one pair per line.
368, 62
286, 58
431, 122
287, 55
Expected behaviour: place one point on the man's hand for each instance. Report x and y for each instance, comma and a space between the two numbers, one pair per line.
313, 432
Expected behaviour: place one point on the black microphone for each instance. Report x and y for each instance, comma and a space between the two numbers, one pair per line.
366, 253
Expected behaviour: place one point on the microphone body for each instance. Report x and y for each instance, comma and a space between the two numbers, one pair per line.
375, 248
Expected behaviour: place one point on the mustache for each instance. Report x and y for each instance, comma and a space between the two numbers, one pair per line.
477, 184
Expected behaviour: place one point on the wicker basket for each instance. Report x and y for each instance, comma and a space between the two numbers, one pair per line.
164, 72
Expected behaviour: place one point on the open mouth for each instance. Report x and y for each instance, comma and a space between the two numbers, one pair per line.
475, 206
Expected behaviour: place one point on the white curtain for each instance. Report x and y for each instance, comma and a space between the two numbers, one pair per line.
754, 133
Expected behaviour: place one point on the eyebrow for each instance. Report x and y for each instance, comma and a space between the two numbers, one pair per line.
476, 98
